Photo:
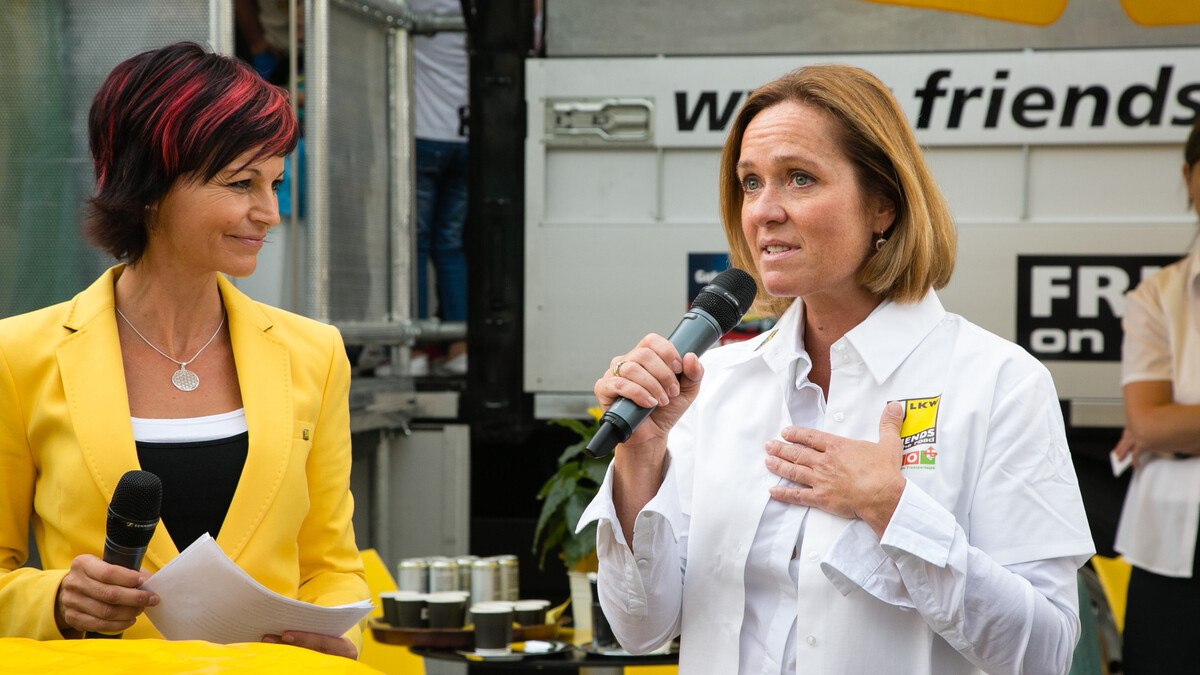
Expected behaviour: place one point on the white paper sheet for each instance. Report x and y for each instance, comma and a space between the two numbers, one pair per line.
1119, 465
206, 596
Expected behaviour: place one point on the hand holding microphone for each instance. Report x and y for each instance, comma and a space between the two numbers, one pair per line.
102, 596
662, 369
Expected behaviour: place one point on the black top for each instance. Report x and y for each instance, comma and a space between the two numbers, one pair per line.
198, 479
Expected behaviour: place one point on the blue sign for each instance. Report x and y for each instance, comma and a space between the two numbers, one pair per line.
702, 269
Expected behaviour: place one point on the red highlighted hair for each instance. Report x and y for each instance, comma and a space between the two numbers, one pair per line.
179, 112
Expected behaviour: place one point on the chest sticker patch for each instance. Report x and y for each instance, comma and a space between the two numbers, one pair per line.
918, 432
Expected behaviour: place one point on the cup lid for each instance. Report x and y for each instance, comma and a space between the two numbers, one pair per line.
492, 607
531, 604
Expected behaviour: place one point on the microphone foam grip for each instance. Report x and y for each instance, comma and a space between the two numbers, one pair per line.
134, 510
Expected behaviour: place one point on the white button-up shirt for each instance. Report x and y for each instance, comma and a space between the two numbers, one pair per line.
1161, 516
975, 571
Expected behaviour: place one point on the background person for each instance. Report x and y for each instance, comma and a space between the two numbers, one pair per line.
1160, 366
263, 26
440, 88
250, 434
874, 486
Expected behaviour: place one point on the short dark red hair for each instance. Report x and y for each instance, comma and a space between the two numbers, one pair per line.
177, 112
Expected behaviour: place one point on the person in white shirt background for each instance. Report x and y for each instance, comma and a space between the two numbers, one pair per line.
876, 485
1160, 364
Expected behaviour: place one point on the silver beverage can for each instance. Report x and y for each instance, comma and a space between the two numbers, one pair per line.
443, 575
464, 571
412, 574
510, 577
485, 580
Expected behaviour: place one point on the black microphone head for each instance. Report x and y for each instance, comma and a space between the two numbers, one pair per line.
728, 297
134, 510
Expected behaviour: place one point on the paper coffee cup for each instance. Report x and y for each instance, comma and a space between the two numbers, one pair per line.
493, 627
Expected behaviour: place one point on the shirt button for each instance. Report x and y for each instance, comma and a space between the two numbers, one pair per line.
840, 347
642, 562
813, 556
839, 416
845, 358
811, 640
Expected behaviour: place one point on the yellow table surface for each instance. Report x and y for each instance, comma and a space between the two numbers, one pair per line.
21, 656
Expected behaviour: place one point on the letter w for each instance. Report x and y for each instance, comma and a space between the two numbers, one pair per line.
708, 99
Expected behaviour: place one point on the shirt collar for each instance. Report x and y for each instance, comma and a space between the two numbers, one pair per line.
891, 332
884, 339
779, 347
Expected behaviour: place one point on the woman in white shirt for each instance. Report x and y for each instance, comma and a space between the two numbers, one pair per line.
876, 485
1160, 367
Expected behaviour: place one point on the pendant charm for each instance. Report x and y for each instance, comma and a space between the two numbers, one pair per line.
184, 379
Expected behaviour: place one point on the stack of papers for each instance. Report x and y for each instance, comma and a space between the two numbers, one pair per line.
205, 596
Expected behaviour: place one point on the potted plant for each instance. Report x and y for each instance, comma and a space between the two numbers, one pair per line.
564, 496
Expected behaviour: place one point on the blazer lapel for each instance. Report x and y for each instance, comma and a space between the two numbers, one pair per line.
264, 377
93, 378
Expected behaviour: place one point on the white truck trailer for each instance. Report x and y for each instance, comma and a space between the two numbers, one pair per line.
1057, 146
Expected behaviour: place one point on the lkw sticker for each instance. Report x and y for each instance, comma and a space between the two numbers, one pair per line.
918, 432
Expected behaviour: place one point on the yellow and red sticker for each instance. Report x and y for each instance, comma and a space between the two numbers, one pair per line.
918, 432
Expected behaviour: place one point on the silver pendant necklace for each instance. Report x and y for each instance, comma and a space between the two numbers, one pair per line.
183, 379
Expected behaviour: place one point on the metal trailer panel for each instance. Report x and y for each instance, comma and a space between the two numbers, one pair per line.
611, 219
711, 27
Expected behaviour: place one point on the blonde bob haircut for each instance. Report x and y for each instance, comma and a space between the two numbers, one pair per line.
876, 138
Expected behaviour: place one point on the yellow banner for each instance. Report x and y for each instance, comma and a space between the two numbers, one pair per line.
1035, 12
1046, 12
1162, 12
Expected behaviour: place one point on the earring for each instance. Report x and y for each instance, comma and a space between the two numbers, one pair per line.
880, 242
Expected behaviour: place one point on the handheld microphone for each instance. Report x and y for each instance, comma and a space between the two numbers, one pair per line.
717, 308
132, 516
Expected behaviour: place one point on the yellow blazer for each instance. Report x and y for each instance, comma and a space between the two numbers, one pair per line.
66, 439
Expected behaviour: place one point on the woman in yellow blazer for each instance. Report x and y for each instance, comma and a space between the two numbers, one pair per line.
250, 434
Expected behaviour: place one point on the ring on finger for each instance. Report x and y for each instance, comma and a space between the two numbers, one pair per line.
617, 368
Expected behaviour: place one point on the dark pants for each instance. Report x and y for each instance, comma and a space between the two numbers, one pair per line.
441, 214
1162, 623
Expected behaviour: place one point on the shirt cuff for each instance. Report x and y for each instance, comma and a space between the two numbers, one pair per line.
602, 508
920, 527
856, 561
664, 505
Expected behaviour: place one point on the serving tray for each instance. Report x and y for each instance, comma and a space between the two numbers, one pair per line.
451, 638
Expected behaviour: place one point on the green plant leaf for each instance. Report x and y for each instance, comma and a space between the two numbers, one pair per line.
594, 469
553, 537
574, 450
585, 430
566, 494
579, 546
561, 487
574, 506
554, 481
